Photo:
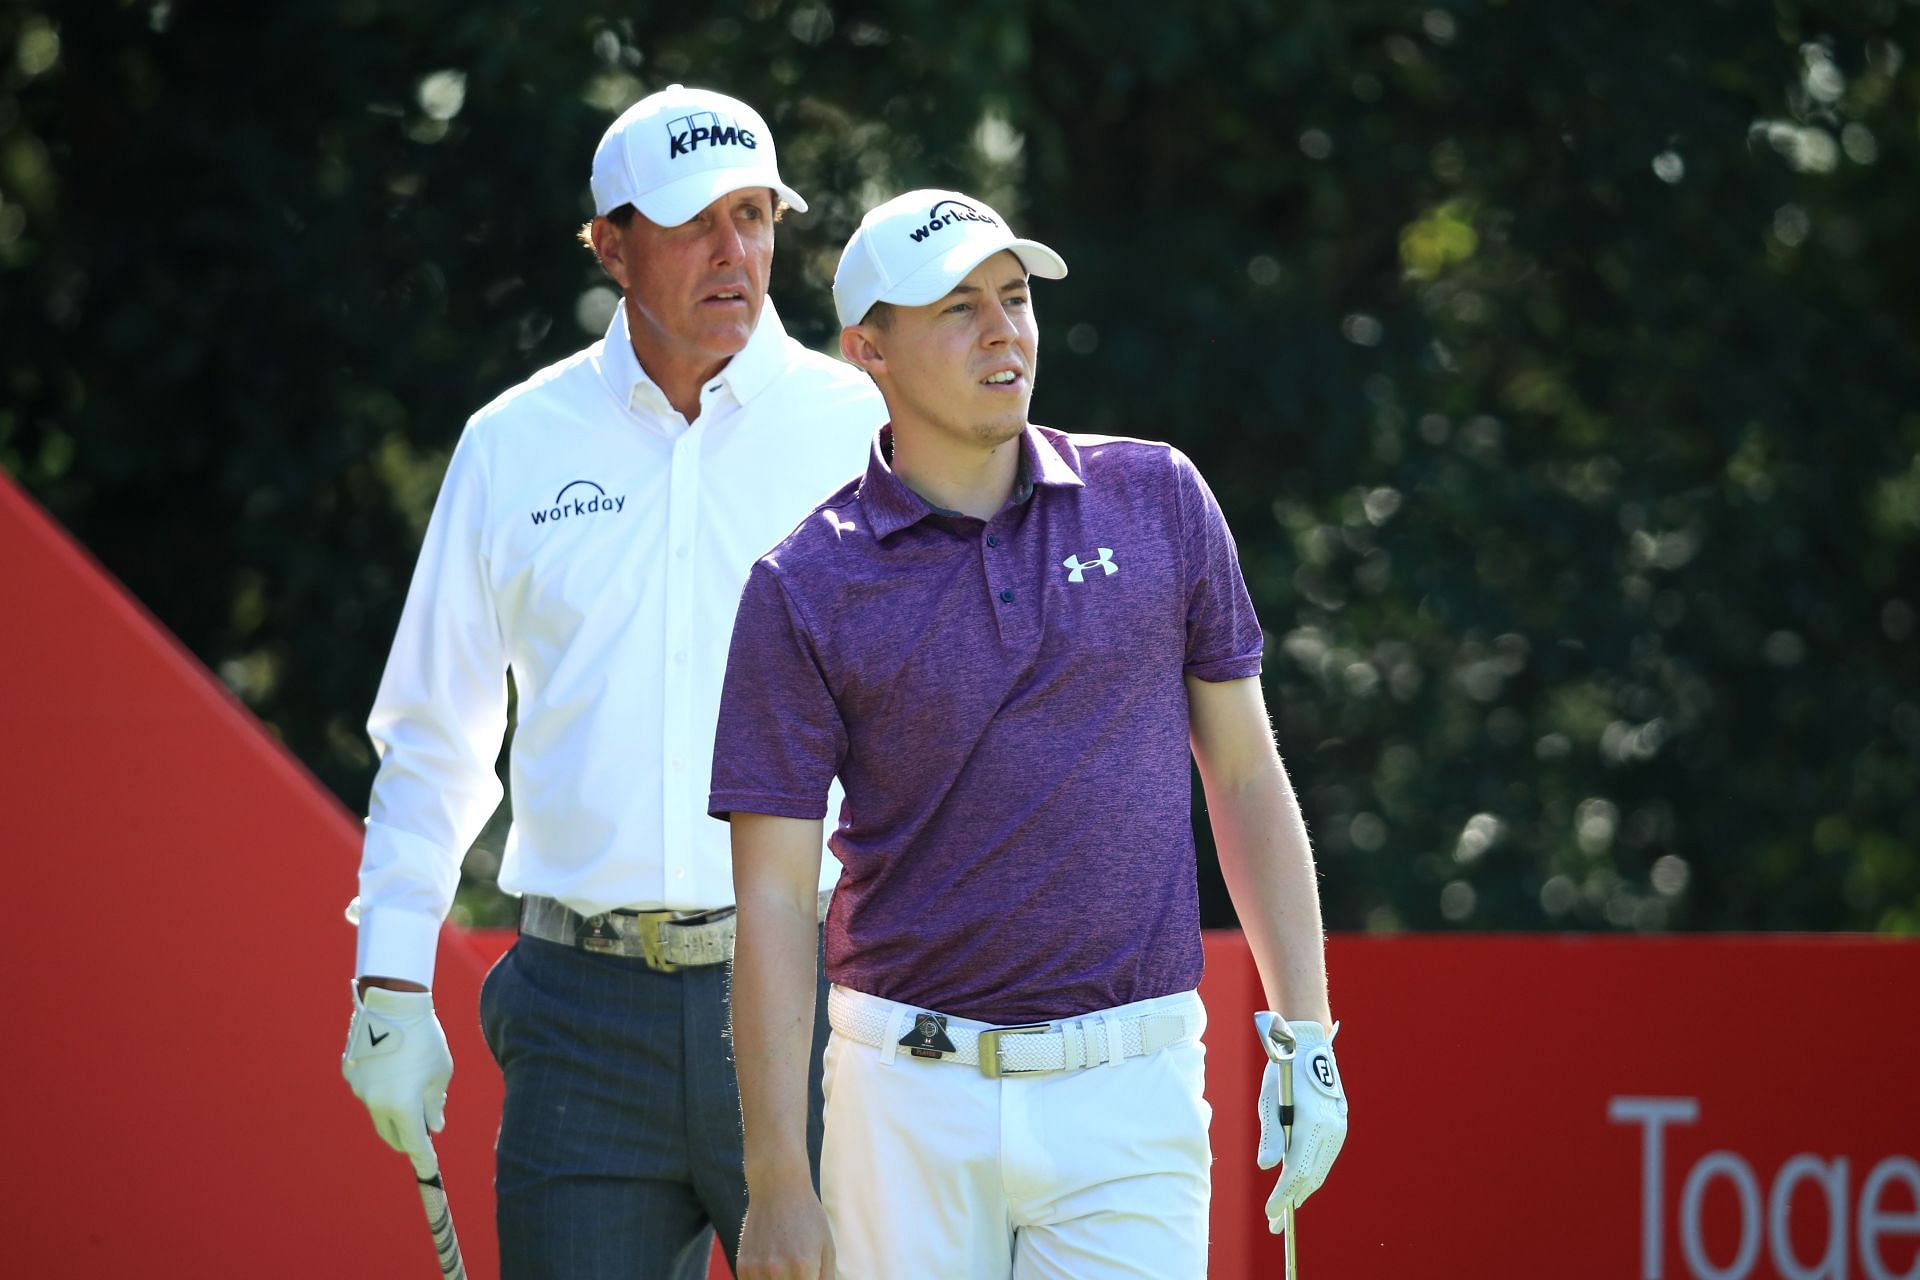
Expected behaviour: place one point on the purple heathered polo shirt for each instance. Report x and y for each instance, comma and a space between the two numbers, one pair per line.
1004, 702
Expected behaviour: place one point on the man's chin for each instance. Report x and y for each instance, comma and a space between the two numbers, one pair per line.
726, 333
729, 331
1000, 430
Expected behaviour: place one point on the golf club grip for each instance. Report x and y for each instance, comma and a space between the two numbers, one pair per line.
446, 1245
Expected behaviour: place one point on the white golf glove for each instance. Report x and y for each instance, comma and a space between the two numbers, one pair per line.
1319, 1110
397, 1062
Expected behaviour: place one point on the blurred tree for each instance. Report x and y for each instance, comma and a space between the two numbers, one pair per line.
1556, 367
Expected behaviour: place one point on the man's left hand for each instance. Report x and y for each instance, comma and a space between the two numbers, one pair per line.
1319, 1113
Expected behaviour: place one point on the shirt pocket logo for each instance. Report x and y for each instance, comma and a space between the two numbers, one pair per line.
1077, 571
578, 499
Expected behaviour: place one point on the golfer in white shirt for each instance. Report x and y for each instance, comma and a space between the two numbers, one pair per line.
591, 537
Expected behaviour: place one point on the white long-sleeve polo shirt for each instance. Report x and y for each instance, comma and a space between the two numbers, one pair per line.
592, 540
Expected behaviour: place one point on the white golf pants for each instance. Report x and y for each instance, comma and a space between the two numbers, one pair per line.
933, 1169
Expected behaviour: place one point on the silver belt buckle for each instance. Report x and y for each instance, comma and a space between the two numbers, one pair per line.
988, 1044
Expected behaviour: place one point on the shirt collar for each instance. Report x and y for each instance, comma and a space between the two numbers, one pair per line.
746, 375
891, 506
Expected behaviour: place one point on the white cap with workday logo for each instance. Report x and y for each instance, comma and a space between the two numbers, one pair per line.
675, 152
914, 248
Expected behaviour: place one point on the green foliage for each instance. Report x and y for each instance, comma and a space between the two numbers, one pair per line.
1555, 365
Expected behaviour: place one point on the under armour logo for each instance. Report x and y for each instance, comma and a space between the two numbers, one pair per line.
1078, 570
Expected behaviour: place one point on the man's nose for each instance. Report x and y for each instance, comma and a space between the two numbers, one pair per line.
726, 244
997, 323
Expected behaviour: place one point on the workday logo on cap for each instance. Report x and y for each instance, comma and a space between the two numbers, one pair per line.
687, 134
947, 213
916, 247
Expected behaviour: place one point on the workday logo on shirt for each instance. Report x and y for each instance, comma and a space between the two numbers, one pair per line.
576, 499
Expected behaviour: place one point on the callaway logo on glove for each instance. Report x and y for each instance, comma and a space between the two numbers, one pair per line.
397, 1063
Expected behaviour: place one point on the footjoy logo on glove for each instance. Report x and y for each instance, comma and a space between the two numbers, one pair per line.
579, 498
706, 128
1323, 1071
946, 214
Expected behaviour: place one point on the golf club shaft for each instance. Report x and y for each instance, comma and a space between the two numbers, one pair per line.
1286, 1109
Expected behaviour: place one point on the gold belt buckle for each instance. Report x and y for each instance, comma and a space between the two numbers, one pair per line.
988, 1044
651, 924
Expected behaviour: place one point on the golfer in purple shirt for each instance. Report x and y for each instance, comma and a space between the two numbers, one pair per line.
1005, 641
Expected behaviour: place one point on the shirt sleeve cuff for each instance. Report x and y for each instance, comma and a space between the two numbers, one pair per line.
723, 804
1225, 669
395, 943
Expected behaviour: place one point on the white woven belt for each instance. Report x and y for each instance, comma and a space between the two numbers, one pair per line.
1067, 1045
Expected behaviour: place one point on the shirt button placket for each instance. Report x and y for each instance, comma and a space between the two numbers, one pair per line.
997, 559
1006, 596
683, 517
993, 570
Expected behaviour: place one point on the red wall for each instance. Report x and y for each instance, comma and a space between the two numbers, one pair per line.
173, 1105
1489, 1076
179, 965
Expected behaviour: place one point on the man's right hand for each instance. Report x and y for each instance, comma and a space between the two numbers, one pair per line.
786, 1236
397, 1063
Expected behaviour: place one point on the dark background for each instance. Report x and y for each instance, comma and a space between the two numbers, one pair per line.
1556, 366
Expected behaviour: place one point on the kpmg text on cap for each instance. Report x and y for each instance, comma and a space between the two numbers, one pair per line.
685, 135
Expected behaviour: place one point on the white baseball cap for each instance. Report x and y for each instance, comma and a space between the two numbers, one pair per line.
675, 152
914, 248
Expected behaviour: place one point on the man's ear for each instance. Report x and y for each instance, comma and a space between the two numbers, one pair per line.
858, 346
611, 249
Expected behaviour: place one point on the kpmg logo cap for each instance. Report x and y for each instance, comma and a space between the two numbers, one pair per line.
675, 152
914, 248
685, 135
